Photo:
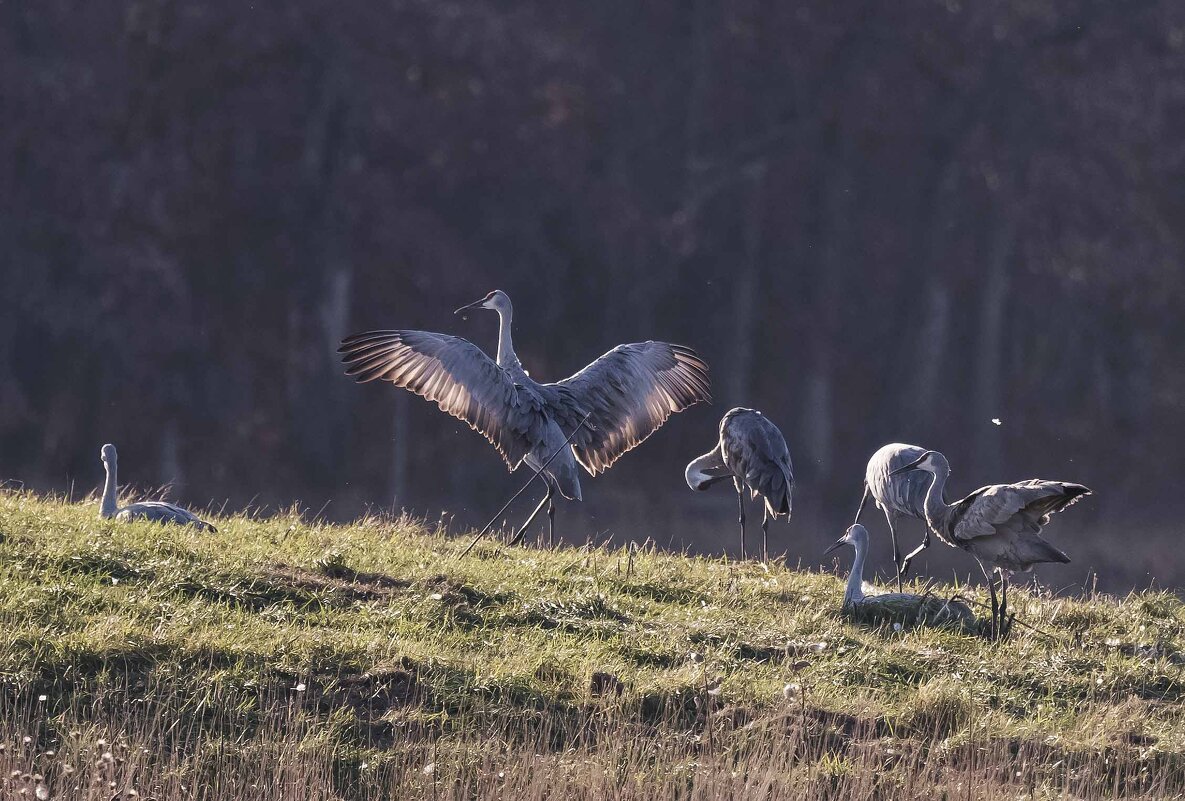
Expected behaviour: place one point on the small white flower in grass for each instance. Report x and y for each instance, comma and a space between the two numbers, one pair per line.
791, 691
436, 596
364, 766
896, 627
42, 792
429, 769
43, 698
26, 739
300, 688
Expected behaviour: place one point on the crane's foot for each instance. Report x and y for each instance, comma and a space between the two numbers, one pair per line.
1006, 627
909, 557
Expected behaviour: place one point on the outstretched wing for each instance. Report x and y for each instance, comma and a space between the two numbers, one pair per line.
1027, 502
461, 379
630, 392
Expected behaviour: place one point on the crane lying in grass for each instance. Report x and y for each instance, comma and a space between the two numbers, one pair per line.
1000, 524
896, 607
156, 511
753, 453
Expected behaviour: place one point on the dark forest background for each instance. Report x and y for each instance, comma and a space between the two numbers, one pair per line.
877, 221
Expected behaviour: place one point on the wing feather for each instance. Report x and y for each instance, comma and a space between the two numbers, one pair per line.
630, 392
995, 505
756, 450
456, 375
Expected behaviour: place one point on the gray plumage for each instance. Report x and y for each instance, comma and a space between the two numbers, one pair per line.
753, 453
1000, 524
901, 607
156, 511
900, 495
628, 393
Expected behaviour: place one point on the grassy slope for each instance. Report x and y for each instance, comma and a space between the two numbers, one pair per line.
395, 634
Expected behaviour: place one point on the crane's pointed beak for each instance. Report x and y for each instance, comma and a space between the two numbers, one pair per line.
474, 305
838, 544
909, 466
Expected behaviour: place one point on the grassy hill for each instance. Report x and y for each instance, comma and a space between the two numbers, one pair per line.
281, 658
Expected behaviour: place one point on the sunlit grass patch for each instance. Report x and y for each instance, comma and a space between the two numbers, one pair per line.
324, 648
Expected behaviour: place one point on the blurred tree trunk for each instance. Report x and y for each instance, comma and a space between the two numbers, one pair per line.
696, 96
920, 401
988, 381
402, 430
923, 391
319, 308
837, 196
172, 474
746, 308
14, 406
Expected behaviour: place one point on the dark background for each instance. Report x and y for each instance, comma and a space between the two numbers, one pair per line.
876, 221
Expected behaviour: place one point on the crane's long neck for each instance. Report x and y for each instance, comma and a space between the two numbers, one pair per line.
704, 471
506, 354
110, 505
937, 511
854, 593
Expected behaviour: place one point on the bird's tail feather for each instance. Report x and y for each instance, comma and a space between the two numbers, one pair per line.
1042, 551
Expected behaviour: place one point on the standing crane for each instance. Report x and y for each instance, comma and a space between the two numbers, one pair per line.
157, 511
753, 453
898, 495
626, 395
1000, 524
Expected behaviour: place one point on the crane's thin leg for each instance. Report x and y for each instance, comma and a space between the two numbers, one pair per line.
765, 534
523, 530
863, 500
741, 511
991, 580
890, 516
551, 520
909, 556
1005, 625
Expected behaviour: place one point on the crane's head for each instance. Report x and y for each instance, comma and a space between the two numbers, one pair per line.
108, 454
856, 536
930, 461
496, 300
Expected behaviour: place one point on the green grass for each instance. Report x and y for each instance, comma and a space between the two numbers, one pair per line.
382, 636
